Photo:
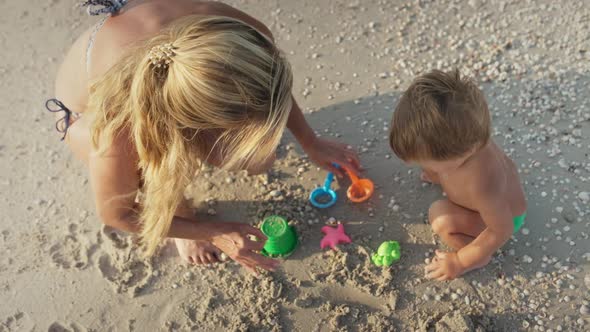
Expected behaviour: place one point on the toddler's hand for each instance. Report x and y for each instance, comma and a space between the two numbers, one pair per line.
444, 266
324, 153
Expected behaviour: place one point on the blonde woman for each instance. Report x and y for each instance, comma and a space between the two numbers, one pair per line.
159, 87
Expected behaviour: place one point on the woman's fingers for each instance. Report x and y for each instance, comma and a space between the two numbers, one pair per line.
344, 162
348, 158
260, 261
249, 230
248, 266
244, 250
352, 155
339, 172
248, 263
253, 245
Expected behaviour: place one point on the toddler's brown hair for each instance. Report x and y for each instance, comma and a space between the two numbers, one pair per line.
441, 116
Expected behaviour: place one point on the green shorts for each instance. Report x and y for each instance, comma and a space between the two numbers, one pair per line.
518, 222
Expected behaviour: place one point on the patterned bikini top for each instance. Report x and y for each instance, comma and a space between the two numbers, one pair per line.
97, 7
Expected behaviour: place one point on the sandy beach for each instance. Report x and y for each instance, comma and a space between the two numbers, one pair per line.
62, 270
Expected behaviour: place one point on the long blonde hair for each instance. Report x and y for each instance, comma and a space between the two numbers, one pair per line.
226, 81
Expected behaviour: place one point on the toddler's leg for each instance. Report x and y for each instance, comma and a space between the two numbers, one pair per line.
456, 225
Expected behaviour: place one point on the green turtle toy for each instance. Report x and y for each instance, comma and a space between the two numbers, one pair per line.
388, 253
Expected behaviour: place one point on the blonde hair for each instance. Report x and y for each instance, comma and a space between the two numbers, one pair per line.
227, 87
441, 116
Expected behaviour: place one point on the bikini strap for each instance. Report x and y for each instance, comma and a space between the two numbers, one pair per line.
91, 42
97, 7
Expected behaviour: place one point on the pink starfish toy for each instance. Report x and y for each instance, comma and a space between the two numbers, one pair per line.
334, 236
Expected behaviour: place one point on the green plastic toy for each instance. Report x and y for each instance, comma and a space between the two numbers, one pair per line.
282, 238
388, 253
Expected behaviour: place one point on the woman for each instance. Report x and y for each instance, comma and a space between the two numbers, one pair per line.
161, 86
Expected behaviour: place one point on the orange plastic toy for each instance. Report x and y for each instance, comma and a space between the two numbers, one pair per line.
360, 190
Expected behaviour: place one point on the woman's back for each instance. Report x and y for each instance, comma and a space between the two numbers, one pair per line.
160, 87
136, 21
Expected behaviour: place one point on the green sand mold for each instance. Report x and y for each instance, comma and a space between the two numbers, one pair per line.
282, 238
388, 253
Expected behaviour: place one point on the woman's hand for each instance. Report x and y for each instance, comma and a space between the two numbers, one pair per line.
324, 153
321, 151
235, 240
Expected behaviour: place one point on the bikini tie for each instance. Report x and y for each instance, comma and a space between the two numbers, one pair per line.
53, 105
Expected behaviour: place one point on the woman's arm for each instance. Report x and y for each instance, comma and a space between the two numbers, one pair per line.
300, 128
115, 182
321, 151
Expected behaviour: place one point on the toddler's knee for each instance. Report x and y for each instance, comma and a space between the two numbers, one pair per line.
438, 220
441, 225
436, 209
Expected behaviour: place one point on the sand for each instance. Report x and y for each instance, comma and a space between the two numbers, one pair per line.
61, 270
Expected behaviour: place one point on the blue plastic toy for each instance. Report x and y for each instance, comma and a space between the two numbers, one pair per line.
324, 192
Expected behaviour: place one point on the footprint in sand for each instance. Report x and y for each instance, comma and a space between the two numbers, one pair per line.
17, 322
127, 276
117, 239
71, 251
58, 327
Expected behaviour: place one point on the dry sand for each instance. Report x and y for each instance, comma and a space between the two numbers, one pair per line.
62, 271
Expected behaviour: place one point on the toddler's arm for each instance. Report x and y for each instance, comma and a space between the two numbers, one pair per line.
497, 216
